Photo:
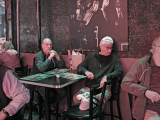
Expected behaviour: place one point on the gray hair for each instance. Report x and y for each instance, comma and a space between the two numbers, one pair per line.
46, 39
154, 43
7, 45
155, 40
106, 39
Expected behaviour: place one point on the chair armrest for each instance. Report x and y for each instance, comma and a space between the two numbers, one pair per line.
98, 85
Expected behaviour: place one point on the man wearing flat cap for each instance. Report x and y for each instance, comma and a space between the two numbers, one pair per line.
100, 66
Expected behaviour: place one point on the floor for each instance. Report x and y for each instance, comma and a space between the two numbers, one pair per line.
35, 115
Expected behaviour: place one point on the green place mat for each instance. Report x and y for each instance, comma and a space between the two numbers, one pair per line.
36, 77
71, 76
56, 71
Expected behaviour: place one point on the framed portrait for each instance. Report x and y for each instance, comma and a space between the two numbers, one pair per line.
91, 20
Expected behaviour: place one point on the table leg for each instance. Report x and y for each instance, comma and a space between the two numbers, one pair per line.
47, 103
57, 109
69, 96
40, 105
31, 105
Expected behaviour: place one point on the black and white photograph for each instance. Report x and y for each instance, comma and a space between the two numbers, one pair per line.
91, 20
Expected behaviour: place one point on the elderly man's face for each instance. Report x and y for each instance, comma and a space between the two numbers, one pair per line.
47, 46
156, 48
106, 48
3, 49
118, 4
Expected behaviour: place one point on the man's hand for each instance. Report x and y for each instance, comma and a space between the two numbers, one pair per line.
153, 96
52, 53
2, 115
104, 79
89, 75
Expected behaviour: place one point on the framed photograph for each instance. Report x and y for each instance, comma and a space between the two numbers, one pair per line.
91, 20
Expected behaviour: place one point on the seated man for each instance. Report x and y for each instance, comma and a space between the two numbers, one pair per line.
9, 57
46, 60
100, 66
143, 81
13, 95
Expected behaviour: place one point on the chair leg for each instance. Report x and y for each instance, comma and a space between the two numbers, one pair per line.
57, 106
40, 106
23, 111
111, 109
63, 117
119, 111
20, 113
101, 116
30, 105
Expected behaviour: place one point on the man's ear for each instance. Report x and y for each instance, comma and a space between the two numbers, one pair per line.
100, 45
151, 50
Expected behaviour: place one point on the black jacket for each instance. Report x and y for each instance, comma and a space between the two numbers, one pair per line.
42, 64
111, 67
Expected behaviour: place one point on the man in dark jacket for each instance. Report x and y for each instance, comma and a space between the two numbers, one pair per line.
46, 60
143, 81
100, 66
13, 94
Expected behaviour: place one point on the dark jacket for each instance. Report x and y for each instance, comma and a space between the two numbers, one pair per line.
136, 82
111, 68
42, 64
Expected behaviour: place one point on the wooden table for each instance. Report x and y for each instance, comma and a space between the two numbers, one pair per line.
58, 78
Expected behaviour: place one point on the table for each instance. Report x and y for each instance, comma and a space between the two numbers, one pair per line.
58, 78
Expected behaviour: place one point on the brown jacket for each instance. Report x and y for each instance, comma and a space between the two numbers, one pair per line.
10, 59
136, 82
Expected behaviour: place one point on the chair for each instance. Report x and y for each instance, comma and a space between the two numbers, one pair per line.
115, 90
26, 61
23, 70
75, 113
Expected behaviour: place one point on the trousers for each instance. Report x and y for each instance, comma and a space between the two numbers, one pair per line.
151, 115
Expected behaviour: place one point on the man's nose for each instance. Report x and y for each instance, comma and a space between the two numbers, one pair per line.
110, 50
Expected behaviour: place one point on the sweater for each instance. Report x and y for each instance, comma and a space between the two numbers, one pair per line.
100, 66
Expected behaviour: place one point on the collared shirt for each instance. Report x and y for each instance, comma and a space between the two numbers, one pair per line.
16, 91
